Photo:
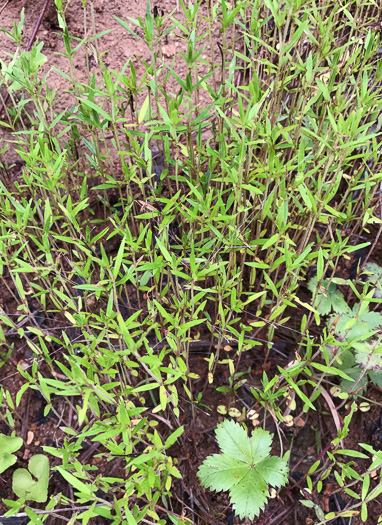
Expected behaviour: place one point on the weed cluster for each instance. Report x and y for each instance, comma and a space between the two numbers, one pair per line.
159, 214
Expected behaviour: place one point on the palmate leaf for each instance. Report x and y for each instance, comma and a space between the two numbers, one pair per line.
233, 441
245, 468
368, 355
221, 472
328, 297
366, 322
250, 496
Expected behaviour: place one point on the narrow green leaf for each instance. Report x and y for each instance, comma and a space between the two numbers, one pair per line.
143, 110
96, 108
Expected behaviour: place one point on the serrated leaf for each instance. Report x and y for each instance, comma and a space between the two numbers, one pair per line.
366, 322
261, 443
221, 472
273, 470
245, 468
328, 297
249, 496
233, 440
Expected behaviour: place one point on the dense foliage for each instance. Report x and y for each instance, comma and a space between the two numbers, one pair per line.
158, 211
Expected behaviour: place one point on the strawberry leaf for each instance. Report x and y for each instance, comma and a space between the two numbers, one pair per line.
245, 468
366, 323
250, 495
261, 443
328, 297
221, 472
273, 471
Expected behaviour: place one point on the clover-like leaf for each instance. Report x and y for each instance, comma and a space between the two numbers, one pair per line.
245, 468
8, 445
32, 488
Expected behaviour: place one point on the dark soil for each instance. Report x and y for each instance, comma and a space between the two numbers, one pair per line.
305, 440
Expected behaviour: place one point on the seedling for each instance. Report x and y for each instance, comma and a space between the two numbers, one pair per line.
32, 484
8, 445
245, 468
329, 298
360, 357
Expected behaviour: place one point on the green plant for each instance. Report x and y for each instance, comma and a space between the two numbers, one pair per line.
355, 349
32, 484
372, 272
28, 485
22, 68
8, 445
245, 468
116, 269
360, 488
328, 297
